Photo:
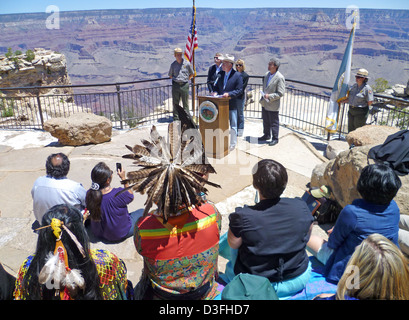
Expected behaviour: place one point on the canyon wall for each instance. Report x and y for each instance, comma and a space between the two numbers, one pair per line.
124, 45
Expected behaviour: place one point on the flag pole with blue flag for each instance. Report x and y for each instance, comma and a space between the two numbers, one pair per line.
340, 88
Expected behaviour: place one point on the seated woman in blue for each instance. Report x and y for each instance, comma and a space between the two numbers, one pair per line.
376, 212
269, 239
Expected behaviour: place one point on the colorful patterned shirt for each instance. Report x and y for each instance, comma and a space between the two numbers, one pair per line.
181, 255
111, 270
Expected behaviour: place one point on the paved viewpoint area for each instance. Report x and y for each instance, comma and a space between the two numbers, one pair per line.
22, 161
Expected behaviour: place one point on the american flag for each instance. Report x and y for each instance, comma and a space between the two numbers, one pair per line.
191, 43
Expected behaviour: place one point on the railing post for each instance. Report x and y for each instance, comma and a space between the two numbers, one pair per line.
341, 120
118, 88
40, 111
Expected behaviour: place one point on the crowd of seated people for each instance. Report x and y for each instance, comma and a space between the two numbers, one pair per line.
180, 245
180, 241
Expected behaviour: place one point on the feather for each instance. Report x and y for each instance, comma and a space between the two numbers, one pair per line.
154, 134
199, 168
77, 243
59, 273
172, 169
73, 280
50, 266
140, 150
200, 178
148, 145
140, 174
185, 118
159, 186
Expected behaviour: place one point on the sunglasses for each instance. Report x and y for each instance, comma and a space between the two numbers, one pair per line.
239, 65
358, 77
217, 58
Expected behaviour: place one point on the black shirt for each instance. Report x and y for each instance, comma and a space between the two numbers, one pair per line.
274, 234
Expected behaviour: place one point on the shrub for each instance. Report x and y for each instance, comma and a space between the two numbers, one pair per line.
381, 85
30, 55
9, 53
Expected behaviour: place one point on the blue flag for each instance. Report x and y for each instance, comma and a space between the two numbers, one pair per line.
340, 89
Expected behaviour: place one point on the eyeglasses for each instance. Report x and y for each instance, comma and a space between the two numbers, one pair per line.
359, 77
217, 58
239, 65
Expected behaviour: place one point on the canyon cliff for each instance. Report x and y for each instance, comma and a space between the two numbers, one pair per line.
104, 46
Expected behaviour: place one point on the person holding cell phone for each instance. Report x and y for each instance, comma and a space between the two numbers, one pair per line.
110, 219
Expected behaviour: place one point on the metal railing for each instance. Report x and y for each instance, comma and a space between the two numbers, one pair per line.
130, 104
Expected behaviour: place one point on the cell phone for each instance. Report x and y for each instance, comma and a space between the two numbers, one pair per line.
118, 166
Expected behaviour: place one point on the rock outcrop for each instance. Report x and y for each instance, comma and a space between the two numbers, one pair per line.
370, 135
80, 129
48, 68
341, 174
45, 68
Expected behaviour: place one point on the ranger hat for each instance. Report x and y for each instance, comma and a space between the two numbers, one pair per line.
362, 73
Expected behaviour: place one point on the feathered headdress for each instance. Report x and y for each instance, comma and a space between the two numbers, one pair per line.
174, 171
56, 272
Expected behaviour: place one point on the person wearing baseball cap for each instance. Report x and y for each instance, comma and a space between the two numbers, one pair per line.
360, 97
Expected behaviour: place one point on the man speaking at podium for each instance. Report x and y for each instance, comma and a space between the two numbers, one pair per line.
229, 83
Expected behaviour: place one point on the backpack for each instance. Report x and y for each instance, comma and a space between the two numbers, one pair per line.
324, 210
245, 286
328, 211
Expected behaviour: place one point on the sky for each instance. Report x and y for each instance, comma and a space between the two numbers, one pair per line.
25, 6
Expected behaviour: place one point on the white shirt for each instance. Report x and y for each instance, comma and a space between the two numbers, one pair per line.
48, 192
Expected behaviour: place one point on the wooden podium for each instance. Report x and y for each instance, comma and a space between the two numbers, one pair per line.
214, 125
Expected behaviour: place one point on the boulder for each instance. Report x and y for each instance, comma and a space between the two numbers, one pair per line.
80, 129
399, 90
334, 147
342, 173
370, 135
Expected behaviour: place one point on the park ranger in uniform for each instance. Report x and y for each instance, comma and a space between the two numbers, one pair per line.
180, 72
360, 97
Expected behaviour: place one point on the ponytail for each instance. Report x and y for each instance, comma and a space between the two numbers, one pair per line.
93, 201
99, 176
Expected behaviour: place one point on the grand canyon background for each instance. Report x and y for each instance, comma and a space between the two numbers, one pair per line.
105, 46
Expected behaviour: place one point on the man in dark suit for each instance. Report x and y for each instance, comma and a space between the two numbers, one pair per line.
229, 83
214, 71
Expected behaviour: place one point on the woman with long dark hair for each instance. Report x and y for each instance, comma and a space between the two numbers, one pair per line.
108, 207
64, 267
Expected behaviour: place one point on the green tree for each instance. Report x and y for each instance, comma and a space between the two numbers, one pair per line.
9, 53
381, 85
30, 55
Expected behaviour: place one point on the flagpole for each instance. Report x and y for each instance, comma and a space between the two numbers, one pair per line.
194, 76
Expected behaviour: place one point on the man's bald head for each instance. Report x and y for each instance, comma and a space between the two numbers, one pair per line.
56, 160
57, 165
